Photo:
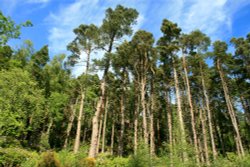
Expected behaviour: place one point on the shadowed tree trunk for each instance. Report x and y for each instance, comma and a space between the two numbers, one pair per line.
211, 133
231, 111
189, 96
70, 124
79, 124
104, 125
180, 116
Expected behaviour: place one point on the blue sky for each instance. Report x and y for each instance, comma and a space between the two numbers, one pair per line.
54, 19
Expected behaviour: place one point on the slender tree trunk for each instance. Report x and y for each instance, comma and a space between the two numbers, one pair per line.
122, 108
80, 116
95, 120
220, 137
70, 124
79, 124
99, 135
208, 114
158, 132
100, 104
144, 113
170, 128
189, 96
152, 132
49, 127
204, 134
201, 155
112, 138
231, 111
180, 117
104, 126
137, 109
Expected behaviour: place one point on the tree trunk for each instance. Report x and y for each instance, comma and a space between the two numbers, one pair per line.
144, 114
95, 120
204, 134
152, 132
170, 128
137, 109
100, 103
112, 138
220, 137
201, 155
122, 108
104, 126
208, 114
180, 117
231, 111
79, 124
70, 124
99, 135
189, 96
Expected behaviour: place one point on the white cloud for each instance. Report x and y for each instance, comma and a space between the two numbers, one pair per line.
212, 17
68, 17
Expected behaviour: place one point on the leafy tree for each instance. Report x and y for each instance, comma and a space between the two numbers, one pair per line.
8, 28
21, 106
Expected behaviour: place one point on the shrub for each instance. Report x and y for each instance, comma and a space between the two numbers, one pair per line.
17, 157
67, 158
86, 162
232, 160
49, 159
141, 158
107, 160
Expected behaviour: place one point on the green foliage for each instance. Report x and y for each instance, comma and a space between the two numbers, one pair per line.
106, 160
8, 28
21, 104
141, 158
16, 157
49, 159
5, 56
67, 158
232, 160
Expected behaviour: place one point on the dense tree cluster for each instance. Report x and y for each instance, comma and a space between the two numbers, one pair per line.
159, 93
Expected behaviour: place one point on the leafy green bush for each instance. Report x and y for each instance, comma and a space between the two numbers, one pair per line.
49, 159
86, 162
232, 160
67, 158
16, 157
107, 160
141, 158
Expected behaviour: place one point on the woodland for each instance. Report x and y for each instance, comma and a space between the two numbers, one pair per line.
180, 100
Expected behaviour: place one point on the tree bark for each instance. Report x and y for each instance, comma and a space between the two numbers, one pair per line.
100, 103
204, 134
208, 114
112, 138
122, 108
70, 124
104, 126
144, 113
180, 117
170, 128
137, 109
95, 120
99, 135
231, 111
189, 96
79, 124
152, 132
